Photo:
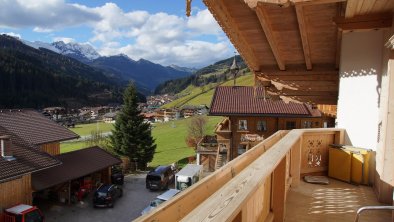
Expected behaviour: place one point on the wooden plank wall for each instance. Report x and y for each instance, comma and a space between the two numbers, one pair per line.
51, 148
15, 192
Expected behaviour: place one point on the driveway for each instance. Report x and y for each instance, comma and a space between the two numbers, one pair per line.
135, 198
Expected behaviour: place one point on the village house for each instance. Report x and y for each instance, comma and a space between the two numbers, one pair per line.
31, 162
335, 54
56, 113
110, 117
251, 118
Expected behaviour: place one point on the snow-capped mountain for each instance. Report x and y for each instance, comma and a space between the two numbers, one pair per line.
38, 44
76, 49
81, 52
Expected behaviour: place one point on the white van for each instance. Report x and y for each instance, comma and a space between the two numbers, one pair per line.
188, 176
160, 199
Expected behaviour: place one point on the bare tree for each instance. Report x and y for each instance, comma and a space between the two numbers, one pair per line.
196, 130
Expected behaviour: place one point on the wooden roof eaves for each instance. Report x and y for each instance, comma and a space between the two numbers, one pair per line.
262, 16
236, 39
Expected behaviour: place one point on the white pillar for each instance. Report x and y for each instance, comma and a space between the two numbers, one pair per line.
198, 159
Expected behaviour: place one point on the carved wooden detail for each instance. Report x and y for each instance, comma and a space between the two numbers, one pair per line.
315, 152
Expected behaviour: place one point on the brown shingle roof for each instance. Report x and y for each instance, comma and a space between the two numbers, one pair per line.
76, 164
27, 158
33, 127
246, 100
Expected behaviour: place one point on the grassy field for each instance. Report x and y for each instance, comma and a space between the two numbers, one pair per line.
197, 97
86, 129
170, 139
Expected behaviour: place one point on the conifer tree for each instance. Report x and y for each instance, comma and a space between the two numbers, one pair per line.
132, 136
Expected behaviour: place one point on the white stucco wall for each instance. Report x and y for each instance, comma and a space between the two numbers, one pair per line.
360, 70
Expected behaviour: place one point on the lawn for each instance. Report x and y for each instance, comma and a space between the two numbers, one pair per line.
170, 139
86, 129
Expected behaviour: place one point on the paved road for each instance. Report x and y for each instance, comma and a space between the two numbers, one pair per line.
135, 198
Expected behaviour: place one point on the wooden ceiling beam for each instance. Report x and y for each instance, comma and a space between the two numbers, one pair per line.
340, 12
351, 7
264, 22
304, 35
285, 3
226, 21
315, 2
296, 72
374, 21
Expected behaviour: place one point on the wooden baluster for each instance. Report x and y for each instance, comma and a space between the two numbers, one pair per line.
295, 168
278, 191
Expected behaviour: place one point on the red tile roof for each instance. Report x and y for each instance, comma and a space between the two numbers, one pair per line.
246, 100
76, 164
33, 127
27, 158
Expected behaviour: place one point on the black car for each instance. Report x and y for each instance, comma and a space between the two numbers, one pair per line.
117, 176
106, 195
160, 178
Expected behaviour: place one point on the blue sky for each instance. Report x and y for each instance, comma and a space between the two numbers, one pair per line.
157, 30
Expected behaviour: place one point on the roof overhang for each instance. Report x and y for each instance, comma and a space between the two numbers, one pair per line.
297, 41
74, 165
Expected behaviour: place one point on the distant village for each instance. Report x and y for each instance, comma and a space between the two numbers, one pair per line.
151, 110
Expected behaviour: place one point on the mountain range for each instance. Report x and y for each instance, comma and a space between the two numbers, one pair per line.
146, 74
34, 78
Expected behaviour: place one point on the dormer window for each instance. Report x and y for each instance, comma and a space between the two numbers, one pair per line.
6, 149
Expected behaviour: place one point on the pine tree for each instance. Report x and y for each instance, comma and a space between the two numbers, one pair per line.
132, 136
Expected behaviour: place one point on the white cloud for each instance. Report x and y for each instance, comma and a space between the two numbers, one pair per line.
163, 38
63, 39
44, 15
12, 34
160, 37
45, 30
204, 23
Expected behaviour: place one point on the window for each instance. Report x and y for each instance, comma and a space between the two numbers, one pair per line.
242, 125
241, 149
307, 124
290, 125
261, 125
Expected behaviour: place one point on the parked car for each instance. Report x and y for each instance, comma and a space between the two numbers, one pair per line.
160, 178
160, 199
106, 195
117, 176
22, 213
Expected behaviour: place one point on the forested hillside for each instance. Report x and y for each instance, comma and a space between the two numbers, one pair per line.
215, 73
37, 78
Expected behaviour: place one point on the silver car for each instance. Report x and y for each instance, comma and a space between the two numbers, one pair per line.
160, 199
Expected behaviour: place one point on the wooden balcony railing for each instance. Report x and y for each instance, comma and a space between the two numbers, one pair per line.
252, 187
224, 126
207, 144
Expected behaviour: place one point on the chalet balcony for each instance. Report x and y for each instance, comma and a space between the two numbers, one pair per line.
265, 184
207, 144
224, 126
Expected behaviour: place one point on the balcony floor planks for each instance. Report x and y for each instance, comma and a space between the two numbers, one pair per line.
335, 202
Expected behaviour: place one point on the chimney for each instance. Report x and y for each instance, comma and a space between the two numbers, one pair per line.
6, 147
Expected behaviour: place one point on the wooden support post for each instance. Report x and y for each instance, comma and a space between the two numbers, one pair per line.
295, 168
279, 190
339, 137
69, 192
